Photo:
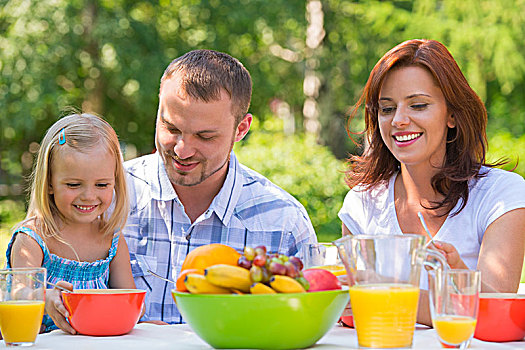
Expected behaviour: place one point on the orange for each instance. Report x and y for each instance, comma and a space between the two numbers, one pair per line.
210, 254
181, 287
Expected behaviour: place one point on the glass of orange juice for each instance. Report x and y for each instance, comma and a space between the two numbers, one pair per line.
454, 299
22, 293
383, 272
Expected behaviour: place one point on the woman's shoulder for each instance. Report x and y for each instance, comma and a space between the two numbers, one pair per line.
499, 178
497, 185
368, 199
378, 190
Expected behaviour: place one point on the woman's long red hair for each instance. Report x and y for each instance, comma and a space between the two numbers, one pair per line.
466, 143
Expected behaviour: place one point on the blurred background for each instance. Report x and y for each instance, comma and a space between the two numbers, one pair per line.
309, 60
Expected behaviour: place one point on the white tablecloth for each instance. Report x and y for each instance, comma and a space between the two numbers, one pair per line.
148, 336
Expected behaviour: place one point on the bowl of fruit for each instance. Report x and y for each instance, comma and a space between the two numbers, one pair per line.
264, 301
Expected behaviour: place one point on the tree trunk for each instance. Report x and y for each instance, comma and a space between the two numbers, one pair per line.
312, 82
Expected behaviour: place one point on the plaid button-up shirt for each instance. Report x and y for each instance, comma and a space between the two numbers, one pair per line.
249, 210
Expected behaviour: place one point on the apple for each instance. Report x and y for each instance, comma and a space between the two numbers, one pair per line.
320, 279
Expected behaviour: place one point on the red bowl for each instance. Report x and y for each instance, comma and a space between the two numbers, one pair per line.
104, 311
348, 321
501, 317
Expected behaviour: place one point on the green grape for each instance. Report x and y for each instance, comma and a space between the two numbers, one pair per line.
304, 282
265, 275
276, 260
249, 253
256, 273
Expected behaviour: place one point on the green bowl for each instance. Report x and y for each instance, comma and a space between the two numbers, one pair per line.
262, 321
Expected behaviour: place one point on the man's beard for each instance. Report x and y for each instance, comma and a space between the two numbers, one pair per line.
181, 180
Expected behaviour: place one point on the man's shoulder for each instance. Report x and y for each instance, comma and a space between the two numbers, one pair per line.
259, 189
140, 178
140, 164
264, 206
139, 168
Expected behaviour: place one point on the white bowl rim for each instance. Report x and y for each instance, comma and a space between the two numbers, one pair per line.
501, 296
107, 291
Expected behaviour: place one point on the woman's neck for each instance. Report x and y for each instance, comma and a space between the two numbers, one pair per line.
414, 186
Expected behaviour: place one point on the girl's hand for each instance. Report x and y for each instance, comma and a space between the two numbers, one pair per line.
56, 309
157, 322
451, 254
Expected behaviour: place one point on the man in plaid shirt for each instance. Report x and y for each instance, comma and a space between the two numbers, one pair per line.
193, 191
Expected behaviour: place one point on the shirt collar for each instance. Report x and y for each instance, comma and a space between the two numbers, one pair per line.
162, 189
224, 202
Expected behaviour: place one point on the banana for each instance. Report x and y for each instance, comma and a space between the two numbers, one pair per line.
198, 284
285, 284
229, 276
261, 288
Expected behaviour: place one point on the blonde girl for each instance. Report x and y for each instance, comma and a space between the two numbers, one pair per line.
78, 175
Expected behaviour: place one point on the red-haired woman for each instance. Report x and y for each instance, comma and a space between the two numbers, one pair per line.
426, 133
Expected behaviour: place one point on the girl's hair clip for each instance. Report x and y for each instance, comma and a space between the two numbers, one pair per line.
62, 136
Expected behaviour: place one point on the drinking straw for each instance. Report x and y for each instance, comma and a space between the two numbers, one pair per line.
426, 229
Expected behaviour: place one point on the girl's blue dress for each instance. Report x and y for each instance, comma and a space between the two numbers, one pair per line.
81, 274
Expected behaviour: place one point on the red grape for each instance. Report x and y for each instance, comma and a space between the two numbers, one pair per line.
277, 268
259, 260
244, 262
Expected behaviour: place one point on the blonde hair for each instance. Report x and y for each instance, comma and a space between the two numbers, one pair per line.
79, 132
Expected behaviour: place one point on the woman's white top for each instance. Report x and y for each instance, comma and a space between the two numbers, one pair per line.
491, 196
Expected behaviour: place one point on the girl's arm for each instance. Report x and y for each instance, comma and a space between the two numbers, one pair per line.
120, 268
26, 252
120, 275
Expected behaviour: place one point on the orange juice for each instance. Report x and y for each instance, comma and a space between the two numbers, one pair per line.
454, 330
337, 270
20, 320
384, 314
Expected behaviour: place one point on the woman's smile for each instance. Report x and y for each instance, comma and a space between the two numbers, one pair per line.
403, 139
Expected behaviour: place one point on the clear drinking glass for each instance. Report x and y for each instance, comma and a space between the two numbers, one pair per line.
384, 276
454, 304
22, 295
323, 256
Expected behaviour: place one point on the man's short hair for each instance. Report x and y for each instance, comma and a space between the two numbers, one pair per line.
203, 73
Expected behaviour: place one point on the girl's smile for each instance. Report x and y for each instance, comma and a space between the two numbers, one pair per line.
82, 183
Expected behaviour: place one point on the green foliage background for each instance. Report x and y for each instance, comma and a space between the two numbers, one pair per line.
107, 56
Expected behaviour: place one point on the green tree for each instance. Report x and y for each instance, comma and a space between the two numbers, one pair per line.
108, 56
485, 37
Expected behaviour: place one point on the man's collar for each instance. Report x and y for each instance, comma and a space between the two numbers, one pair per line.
162, 189
224, 202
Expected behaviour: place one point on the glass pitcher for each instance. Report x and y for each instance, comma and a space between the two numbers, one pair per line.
384, 276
